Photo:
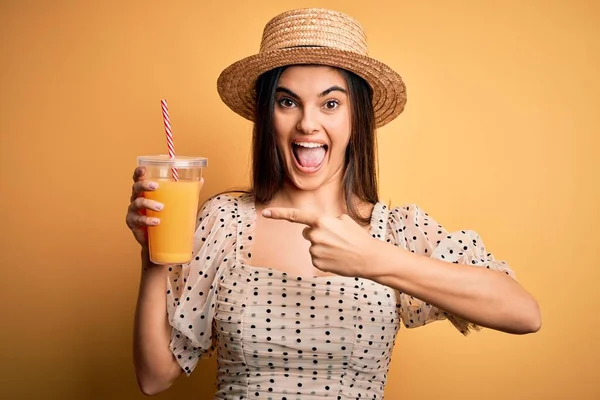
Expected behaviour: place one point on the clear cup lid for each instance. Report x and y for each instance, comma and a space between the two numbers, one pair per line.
178, 162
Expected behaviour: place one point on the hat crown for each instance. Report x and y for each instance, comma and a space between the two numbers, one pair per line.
314, 27
313, 36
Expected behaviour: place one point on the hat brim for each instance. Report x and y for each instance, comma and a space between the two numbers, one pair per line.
236, 83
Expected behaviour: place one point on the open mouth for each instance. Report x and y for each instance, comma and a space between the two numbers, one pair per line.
309, 156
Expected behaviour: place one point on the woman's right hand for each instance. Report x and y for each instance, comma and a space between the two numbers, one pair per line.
136, 218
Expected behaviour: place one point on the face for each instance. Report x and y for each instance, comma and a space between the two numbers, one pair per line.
312, 124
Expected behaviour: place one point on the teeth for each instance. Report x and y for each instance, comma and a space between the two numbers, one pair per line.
309, 145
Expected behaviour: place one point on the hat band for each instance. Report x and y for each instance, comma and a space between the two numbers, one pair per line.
301, 46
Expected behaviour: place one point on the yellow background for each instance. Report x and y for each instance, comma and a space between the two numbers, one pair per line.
500, 135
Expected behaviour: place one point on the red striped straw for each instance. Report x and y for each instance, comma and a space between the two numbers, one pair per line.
170, 145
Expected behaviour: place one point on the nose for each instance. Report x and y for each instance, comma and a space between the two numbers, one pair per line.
309, 123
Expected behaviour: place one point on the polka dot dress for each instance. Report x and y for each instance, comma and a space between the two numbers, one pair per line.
283, 337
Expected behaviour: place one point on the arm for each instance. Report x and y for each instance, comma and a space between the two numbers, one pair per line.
484, 297
430, 268
155, 366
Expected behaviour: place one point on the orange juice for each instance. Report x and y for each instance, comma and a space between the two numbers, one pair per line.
171, 241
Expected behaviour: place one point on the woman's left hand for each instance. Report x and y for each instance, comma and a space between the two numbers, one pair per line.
337, 245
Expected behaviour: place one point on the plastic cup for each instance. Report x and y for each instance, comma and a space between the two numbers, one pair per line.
171, 241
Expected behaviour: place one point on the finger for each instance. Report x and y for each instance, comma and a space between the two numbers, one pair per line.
291, 215
135, 221
138, 173
317, 262
140, 187
142, 203
142, 220
306, 233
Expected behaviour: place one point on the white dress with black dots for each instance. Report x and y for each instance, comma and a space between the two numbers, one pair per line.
282, 337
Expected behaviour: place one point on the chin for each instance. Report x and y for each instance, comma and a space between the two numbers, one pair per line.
313, 179
304, 183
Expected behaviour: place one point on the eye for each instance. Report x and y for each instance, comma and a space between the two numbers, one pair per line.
332, 104
286, 103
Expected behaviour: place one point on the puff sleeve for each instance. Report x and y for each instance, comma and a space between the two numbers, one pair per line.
192, 288
414, 230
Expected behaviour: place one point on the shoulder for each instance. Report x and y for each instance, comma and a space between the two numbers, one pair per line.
407, 213
224, 205
412, 227
218, 202
219, 219
220, 212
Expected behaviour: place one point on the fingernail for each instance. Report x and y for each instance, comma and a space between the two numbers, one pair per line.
159, 207
266, 213
155, 221
153, 185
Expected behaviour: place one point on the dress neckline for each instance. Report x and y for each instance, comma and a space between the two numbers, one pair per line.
246, 228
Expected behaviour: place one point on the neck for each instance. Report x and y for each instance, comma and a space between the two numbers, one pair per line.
328, 199
325, 200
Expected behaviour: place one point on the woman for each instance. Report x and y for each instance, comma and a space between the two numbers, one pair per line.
310, 309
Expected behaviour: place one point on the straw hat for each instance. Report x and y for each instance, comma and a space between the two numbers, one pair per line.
313, 36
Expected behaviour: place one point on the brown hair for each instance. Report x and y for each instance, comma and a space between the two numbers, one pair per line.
360, 169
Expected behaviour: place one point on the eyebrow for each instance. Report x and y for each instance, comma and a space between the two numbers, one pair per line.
281, 89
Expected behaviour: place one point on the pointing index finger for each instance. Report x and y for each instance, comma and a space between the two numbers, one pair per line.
291, 215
